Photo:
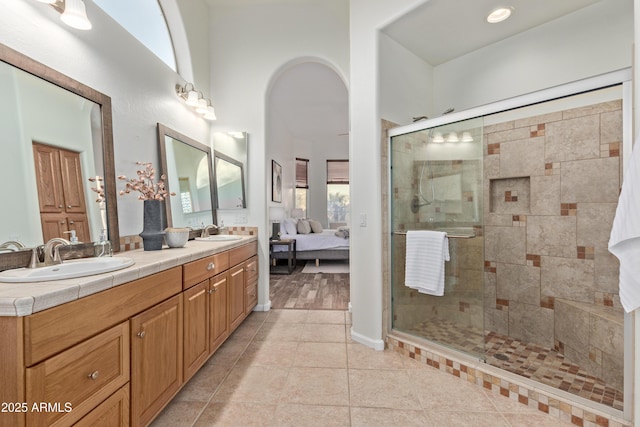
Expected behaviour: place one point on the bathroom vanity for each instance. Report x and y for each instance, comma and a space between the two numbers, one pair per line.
113, 349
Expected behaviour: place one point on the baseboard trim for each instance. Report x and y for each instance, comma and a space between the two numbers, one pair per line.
263, 307
364, 340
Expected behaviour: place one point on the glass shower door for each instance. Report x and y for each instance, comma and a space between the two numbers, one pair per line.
436, 184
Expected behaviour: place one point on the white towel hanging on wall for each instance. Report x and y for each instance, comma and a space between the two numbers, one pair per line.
624, 241
426, 252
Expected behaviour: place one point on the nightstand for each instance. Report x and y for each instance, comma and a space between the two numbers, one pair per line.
291, 256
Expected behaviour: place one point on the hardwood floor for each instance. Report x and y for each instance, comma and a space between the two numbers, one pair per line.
319, 291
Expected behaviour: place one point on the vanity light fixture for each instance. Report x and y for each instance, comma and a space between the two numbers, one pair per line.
452, 137
499, 14
437, 138
195, 99
466, 137
73, 13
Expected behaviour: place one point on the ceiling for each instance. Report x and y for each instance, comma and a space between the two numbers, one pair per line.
312, 100
441, 30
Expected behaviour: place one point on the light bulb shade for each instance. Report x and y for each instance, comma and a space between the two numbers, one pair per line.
452, 137
47, 1
466, 137
202, 107
437, 138
276, 213
75, 15
192, 98
210, 114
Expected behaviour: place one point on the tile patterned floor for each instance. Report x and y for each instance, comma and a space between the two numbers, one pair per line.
539, 363
300, 368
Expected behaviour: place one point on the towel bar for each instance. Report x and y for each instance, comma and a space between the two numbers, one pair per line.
449, 234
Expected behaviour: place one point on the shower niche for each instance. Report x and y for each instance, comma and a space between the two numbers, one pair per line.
510, 195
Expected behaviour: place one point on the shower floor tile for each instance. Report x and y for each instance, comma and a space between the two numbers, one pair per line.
529, 360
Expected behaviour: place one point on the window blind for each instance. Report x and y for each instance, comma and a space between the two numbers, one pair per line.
302, 177
337, 171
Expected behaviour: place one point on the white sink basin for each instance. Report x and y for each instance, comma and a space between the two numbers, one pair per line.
219, 238
66, 270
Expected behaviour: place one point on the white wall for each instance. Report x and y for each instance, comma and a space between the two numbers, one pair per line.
111, 61
591, 41
406, 83
251, 43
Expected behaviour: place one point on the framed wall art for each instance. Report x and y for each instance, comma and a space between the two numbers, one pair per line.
276, 182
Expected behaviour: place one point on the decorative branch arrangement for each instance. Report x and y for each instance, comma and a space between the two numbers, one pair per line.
99, 188
145, 185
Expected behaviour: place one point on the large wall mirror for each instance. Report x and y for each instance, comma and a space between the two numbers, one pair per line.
230, 172
56, 134
188, 166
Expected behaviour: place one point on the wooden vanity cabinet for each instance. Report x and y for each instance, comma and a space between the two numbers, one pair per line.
120, 355
224, 294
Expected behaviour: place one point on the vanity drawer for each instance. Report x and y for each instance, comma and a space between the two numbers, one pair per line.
251, 296
113, 412
75, 381
251, 269
237, 255
202, 269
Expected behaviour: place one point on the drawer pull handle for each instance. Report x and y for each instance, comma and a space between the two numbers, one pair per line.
141, 334
211, 266
94, 375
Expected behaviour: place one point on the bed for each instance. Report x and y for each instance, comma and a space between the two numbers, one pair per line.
315, 246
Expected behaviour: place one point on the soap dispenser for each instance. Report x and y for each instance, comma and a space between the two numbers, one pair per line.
103, 246
73, 239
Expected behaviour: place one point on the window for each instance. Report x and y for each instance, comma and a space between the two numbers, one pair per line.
302, 183
337, 192
144, 20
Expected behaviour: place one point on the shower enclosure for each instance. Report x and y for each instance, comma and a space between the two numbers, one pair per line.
527, 198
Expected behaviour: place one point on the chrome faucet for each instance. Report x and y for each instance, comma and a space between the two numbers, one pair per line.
6, 246
53, 245
205, 231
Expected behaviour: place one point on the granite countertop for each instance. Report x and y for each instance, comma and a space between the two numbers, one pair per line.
22, 299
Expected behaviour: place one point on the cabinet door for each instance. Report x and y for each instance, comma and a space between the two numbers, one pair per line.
236, 296
80, 223
218, 314
53, 225
196, 328
48, 178
72, 184
156, 359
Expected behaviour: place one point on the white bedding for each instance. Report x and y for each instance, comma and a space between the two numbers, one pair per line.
315, 241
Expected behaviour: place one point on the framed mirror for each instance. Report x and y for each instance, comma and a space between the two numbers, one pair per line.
230, 172
188, 167
54, 126
229, 182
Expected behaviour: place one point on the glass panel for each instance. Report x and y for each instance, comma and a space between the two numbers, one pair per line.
436, 182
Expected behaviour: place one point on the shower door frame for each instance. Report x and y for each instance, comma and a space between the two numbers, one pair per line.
620, 77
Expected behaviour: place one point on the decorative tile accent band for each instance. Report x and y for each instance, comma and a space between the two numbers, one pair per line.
564, 410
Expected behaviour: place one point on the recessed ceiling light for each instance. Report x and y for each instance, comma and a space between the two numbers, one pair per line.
499, 15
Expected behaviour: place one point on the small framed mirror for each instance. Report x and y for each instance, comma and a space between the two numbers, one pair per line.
187, 165
230, 172
229, 182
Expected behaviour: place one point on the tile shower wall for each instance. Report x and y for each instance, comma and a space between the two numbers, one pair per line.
552, 183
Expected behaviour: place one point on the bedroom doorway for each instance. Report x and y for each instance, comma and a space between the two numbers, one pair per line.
308, 123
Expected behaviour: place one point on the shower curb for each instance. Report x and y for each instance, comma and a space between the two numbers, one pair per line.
498, 382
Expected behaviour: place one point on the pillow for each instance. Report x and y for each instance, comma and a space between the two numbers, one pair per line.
316, 227
303, 226
289, 226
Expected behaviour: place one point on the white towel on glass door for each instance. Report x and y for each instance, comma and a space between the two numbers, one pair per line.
624, 241
424, 265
